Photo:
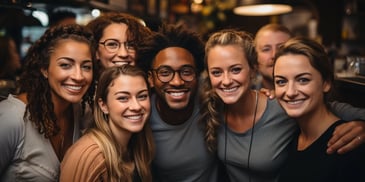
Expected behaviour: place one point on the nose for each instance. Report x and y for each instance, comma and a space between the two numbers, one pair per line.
77, 74
291, 90
226, 80
122, 51
273, 52
135, 105
176, 79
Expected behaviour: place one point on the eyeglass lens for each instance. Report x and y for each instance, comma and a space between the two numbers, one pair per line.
112, 45
166, 73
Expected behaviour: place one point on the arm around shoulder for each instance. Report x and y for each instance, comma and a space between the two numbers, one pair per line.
347, 112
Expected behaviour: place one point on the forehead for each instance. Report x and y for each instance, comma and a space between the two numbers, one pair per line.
293, 63
271, 36
115, 31
174, 57
128, 83
70, 46
226, 55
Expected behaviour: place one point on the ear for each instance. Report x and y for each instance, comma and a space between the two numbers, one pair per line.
150, 79
44, 73
326, 86
103, 106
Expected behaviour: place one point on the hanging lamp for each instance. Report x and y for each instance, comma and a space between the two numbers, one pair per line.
262, 7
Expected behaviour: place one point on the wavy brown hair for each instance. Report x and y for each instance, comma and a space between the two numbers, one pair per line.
40, 109
211, 104
140, 149
136, 31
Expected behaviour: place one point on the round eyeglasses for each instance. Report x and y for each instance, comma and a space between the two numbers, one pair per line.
166, 74
113, 45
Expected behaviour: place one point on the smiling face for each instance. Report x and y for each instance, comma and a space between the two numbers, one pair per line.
127, 104
267, 44
299, 87
229, 72
70, 72
116, 31
177, 93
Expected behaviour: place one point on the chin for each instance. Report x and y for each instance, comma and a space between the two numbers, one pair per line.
178, 106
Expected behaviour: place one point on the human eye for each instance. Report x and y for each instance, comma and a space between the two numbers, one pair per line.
265, 49
112, 44
87, 66
65, 64
164, 72
280, 82
216, 73
122, 98
303, 80
143, 96
236, 70
187, 71
130, 45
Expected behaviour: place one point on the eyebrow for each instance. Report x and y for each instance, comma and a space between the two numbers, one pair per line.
128, 93
302, 74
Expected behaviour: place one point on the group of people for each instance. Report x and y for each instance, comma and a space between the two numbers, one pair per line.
115, 101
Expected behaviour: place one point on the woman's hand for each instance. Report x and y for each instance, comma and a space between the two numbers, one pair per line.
269, 93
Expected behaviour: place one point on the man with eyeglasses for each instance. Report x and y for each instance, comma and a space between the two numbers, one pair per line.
173, 59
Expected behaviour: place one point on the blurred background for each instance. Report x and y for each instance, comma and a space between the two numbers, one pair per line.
335, 23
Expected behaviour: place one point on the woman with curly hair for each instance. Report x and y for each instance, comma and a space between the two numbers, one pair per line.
118, 36
41, 123
118, 147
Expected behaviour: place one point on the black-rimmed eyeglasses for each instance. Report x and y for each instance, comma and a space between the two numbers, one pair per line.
113, 45
166, 74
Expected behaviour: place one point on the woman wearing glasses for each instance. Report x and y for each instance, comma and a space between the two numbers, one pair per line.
118, 36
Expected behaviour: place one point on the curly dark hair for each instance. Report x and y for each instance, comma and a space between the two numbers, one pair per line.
170, 35
136, 31
39, 108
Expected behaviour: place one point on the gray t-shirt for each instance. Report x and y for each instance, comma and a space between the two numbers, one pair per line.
27, 155
181, 153
272, 133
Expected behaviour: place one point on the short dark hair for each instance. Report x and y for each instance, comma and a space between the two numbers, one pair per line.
59, 15
170, 35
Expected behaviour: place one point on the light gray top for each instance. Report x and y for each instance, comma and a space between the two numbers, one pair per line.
27, 155
181, 153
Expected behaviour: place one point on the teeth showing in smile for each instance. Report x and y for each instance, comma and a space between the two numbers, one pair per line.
229, 89
137, 117
120, 63
294, 102
176, 94
73, 87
